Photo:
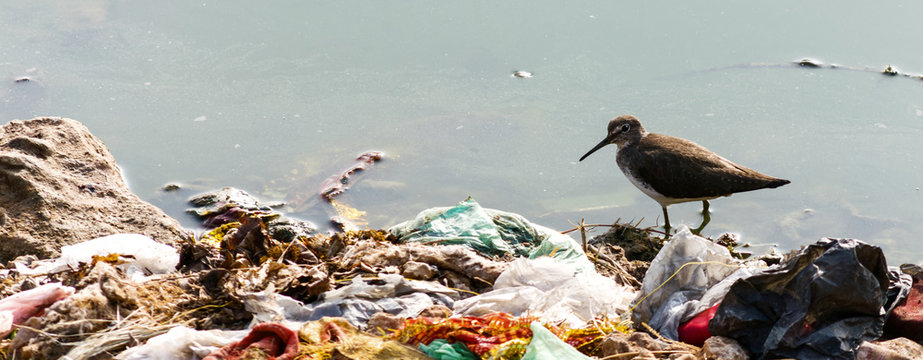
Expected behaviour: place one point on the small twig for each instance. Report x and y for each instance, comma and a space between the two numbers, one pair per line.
639, 223
583, 233
282, 256
587, 226
482, 280
596, 256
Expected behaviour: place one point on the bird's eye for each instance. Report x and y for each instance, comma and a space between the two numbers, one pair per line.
625, 128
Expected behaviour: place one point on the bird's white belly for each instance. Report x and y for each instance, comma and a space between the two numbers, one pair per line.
658, 197
646, 189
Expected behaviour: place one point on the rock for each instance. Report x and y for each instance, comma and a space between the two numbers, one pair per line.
455, 280
436, 311
219, 201
287, 229
645, 354
683, 357
641, 345
382, 323
616, 343
810, 63
722, 348
894, 349
59, 185
913, 270
419, 271
646, 341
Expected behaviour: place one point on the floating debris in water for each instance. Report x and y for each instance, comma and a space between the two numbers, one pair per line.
812, 63
522, 74
890, 71
817, 64
172, 187
338, 183
22, 79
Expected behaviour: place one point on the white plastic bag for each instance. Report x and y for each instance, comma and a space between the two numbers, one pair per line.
149, 256
182, 343
553, 289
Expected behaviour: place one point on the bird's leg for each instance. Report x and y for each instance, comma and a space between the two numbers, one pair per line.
666, 221
706, 217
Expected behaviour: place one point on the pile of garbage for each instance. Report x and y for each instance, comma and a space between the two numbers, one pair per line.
460, 282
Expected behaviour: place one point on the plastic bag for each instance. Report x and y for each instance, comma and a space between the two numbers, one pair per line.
17, 308
703, 273
149, 256
441, 349
356, 302
182, 343
546, 346
554, 289
488, 231
823, 303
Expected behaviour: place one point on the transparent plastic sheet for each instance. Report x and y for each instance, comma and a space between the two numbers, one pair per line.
356, 302
689, 275
554, 289
182, 343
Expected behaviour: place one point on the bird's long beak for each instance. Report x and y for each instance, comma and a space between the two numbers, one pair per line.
597, 147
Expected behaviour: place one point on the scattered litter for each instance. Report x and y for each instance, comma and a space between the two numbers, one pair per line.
461, 282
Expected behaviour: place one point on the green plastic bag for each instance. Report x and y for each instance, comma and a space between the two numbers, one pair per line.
488, 231
546, 346
441, 349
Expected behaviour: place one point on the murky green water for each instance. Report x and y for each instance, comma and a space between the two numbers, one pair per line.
274, 99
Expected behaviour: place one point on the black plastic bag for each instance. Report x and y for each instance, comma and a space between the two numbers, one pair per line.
821, 304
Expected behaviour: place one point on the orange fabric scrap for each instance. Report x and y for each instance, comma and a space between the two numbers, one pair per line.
481, 334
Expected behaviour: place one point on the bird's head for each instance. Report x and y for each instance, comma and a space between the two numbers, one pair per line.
623, 130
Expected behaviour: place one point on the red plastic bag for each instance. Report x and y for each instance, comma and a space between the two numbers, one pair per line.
695, 331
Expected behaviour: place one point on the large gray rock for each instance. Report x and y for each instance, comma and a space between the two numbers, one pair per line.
59, 185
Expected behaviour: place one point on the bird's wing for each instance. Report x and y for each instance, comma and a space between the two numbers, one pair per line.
688, 170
